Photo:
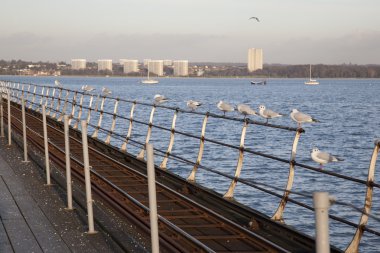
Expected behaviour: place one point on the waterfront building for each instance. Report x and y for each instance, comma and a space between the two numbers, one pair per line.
156, 67
105, 65
255, 59
181, 68
145, 62
168, 62
130, 66
121, 61
77, 64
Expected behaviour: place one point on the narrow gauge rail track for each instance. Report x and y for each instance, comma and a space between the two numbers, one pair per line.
184, 225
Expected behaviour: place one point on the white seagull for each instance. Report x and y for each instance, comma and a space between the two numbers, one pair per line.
268, 114
159, 99
225, 107
193, 104
106, 91
255, 18
300, 117
87, 88
323, 157
57, 83
246, 110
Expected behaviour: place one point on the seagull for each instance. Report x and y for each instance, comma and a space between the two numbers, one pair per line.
225, 107
57, 83
87, 88
246, 110
106, 91
323, 157
268, 114
193, 104
300, 117
159, 99
256, 18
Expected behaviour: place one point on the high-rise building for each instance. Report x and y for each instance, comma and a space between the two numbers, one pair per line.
168, 62
145, 62
181, 68
104, 65
130, 66
78, 64
255, 59
156, 67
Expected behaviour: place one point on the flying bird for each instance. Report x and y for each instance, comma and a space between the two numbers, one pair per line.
193, 104
87, 88
225, 107
159, 99
268, 114
246, 110
256, 18
300, 117
323, 157
106, 91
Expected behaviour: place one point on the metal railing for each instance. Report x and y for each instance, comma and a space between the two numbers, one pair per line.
80, 105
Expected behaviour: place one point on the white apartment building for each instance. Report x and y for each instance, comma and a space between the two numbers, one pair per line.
130, 66
168, 62
181, 68
255, 59
78, 64
145, 62
156, 67
105, 65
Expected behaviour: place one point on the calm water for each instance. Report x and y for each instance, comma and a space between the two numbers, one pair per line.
349, 111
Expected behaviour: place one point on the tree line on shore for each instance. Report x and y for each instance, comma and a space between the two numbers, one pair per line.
19, 67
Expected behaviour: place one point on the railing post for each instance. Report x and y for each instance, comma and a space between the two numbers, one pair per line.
73, 107
124, 146
171, 143
152, 198
64, 106
79, 112
191, 177
34, 97
354, 245
9, 119
278, 215
24, 137
108, 138
87, 176
46, 145
140, 156
321, 211
68, 164
230, 192
89, 109
95, 134
1, 115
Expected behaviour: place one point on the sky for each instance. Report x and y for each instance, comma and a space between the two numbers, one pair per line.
289, 31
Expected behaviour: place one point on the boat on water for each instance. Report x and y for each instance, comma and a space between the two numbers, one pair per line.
262, 82
311, 81
149, 80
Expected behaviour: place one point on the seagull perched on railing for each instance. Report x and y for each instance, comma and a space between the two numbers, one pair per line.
159, 99
323, 157
255, 18
193, 104
268, 114
225, 107
57, 83
300, 117
106, 91
246, 110
87, 88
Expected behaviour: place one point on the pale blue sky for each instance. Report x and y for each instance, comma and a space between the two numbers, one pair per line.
290, 31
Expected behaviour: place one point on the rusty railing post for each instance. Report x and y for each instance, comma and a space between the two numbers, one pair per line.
191, 177
95, 134
108, 138
171, 142
140, 156
124, 146
278, 215
73, 105
64, 108
354, 245
79, 112
230, 193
